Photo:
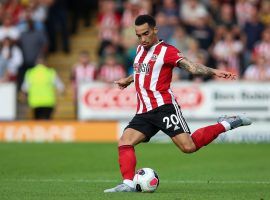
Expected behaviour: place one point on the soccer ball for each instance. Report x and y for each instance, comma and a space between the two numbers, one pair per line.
146, 180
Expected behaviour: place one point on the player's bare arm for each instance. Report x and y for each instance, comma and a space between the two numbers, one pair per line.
199, 69
124, 82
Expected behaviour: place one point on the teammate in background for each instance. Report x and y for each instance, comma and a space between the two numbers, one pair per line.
157, 108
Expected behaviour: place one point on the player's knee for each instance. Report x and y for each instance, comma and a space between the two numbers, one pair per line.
124, 141
188, 148
121, 141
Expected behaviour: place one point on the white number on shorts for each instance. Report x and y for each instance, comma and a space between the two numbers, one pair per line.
172, 120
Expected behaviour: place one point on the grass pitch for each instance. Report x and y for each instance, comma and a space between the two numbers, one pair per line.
83, 170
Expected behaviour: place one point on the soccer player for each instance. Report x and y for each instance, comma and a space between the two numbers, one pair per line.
157, 108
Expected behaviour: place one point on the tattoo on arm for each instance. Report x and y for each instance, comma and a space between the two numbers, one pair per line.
196, 68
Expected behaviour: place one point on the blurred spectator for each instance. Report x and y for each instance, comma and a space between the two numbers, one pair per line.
111, 48
203, 33
14, 9
165, 30
226, 17
108, 20
148, 6
111, 70
191, 11
260, 71
264, 12
7, 29
13, 57
193, 50
37, 13
253, 28
213, 8
2, 12
57, 23
169, 8
181, 40
132, 8
83, 71
242, 12
220, 32
262, 48
229, 50
34, 44
40, 83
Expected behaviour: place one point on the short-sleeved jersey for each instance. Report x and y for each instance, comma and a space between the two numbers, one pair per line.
153, 75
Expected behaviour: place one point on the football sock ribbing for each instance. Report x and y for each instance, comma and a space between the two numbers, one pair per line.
127, 161
204, 136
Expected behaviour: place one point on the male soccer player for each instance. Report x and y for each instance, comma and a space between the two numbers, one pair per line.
157, 108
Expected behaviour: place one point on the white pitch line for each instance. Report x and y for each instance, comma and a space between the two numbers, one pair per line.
162, 181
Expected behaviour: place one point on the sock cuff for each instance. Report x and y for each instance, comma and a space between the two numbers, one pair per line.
129, 183
226, 125
126, 147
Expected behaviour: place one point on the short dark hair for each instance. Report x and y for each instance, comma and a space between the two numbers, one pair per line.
142, 19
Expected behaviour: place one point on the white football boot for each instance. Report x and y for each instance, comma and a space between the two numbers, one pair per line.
235, 121
121, 188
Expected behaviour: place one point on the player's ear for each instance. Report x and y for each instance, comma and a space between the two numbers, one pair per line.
155, 30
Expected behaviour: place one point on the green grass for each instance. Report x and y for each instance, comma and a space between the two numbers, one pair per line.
84, 170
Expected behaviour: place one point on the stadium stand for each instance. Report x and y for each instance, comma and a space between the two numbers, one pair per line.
225, 39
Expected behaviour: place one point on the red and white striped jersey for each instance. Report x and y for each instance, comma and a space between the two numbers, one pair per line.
153, 75
84, 73
262, 49
110, 73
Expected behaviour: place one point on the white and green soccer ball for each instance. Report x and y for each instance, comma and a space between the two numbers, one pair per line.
146, 180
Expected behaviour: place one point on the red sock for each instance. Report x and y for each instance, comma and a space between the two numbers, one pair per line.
127, 161
204, 136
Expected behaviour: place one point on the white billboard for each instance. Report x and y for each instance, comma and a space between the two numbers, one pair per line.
7, 101
97, 101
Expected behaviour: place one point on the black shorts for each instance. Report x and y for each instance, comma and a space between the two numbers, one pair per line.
167, 118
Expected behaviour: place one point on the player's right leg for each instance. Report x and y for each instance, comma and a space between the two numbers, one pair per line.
206, 135
127, 159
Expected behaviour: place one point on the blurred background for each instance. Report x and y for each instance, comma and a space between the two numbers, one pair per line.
59, 58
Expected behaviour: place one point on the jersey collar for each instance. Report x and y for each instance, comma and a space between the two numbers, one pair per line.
154, 46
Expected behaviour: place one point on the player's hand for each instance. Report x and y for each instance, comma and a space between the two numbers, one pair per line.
225, 75
123, 83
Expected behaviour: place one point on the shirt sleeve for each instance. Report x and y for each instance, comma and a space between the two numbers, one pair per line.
173, 56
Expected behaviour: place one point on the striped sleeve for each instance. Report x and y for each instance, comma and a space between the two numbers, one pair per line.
173, 56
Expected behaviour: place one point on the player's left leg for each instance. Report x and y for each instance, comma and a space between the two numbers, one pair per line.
139, 130
127, 159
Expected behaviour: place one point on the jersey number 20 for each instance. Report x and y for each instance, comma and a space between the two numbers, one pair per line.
170, 121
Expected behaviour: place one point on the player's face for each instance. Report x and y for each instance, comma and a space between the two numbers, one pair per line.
146, 35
